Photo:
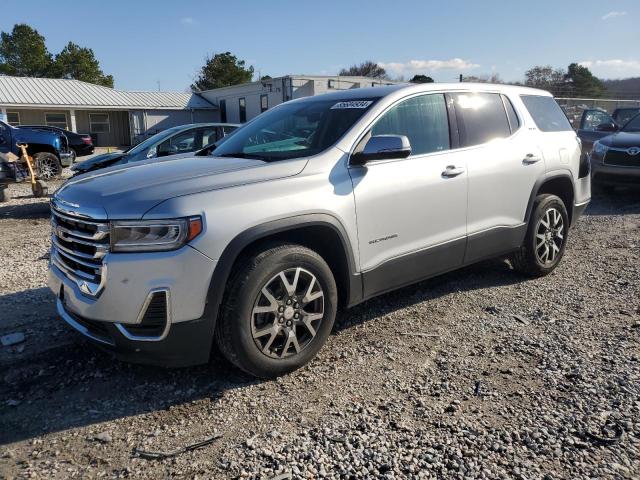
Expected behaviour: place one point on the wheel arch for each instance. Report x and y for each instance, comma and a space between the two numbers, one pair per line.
560, 184
323, 233
35, 148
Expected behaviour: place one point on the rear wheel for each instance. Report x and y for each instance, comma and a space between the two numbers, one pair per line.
546, 237
47, 166
278, 310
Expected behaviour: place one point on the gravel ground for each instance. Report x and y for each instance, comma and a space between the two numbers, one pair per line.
480, 373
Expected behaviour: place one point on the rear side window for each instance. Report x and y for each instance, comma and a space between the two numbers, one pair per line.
423, 120
547, 114
481, 117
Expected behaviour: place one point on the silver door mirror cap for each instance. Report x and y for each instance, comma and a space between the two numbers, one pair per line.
383, 147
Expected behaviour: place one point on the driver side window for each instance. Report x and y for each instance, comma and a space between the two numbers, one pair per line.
423, 120
183, 142
594, 118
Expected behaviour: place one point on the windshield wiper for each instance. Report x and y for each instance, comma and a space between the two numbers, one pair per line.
251, 156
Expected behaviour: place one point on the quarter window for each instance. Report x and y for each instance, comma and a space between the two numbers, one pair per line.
547, 114
56, 120
423, 120
13, 118
481, 118
99, 123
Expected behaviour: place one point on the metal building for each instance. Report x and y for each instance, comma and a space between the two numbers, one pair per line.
240, 103
113, 117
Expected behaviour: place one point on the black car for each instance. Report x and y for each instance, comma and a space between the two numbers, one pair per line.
596, 124
81, 143
615, 159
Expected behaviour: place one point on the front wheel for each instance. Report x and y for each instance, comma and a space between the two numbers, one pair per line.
546, 237
47, 166
278, 311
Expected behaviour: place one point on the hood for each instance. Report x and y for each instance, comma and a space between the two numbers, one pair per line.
99, 161
622, 140
129, 191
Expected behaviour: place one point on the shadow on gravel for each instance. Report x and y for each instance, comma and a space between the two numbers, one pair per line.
26, 211
75, 385
618, 201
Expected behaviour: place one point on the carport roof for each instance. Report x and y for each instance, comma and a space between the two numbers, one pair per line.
63, 93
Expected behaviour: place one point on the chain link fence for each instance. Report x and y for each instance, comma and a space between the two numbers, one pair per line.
574, 107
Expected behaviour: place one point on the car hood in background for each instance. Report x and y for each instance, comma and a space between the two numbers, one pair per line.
622, 140
99, 161
128, 191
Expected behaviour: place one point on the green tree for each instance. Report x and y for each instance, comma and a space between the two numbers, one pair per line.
367, 68
421, 79
583, 83
222, 70
23, 53
80, 64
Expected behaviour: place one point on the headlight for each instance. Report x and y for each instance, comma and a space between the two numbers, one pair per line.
599, 148
154, 235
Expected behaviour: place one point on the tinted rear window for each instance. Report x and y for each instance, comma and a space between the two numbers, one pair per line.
547, 114
481, 117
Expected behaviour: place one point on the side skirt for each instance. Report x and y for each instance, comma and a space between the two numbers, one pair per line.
431, 262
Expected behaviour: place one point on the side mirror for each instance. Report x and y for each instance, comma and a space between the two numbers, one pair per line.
383, 147
607, 127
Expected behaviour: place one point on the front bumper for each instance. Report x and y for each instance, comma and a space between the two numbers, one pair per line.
130, 279
612, 175
66, 159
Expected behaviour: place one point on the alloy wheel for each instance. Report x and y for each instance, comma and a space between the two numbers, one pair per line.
549, 236
47, 168
287, 313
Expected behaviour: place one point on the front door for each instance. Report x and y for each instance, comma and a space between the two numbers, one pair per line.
411, 212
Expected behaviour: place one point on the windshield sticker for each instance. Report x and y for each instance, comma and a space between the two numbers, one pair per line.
352, 104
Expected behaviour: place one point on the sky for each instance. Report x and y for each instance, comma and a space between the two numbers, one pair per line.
151, 45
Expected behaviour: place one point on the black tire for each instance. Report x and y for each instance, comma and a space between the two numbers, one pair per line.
74, 156
243, 294
528, 259
40, 189
47, 166
5, 196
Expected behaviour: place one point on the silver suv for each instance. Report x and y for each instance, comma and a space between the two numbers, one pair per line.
317, 204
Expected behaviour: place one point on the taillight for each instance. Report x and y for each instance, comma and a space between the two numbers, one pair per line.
87, 140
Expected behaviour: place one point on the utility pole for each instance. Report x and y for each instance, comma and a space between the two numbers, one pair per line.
460, 78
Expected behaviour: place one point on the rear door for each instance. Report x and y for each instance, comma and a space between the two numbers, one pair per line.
411, 215
504, 162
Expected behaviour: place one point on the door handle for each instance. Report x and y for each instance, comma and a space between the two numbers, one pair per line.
452, 171
530, 158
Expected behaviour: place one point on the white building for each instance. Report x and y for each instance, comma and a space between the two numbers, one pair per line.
240, 103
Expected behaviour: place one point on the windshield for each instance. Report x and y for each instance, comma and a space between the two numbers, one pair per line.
298, 129
633, 125
157, 138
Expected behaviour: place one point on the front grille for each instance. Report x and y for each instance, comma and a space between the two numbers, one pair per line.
620, 158
79, 246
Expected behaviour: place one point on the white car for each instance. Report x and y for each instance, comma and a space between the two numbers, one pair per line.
317, 203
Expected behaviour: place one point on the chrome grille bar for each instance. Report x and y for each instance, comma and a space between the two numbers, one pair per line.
79, 246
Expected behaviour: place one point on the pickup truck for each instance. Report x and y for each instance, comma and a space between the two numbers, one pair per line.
50, 150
